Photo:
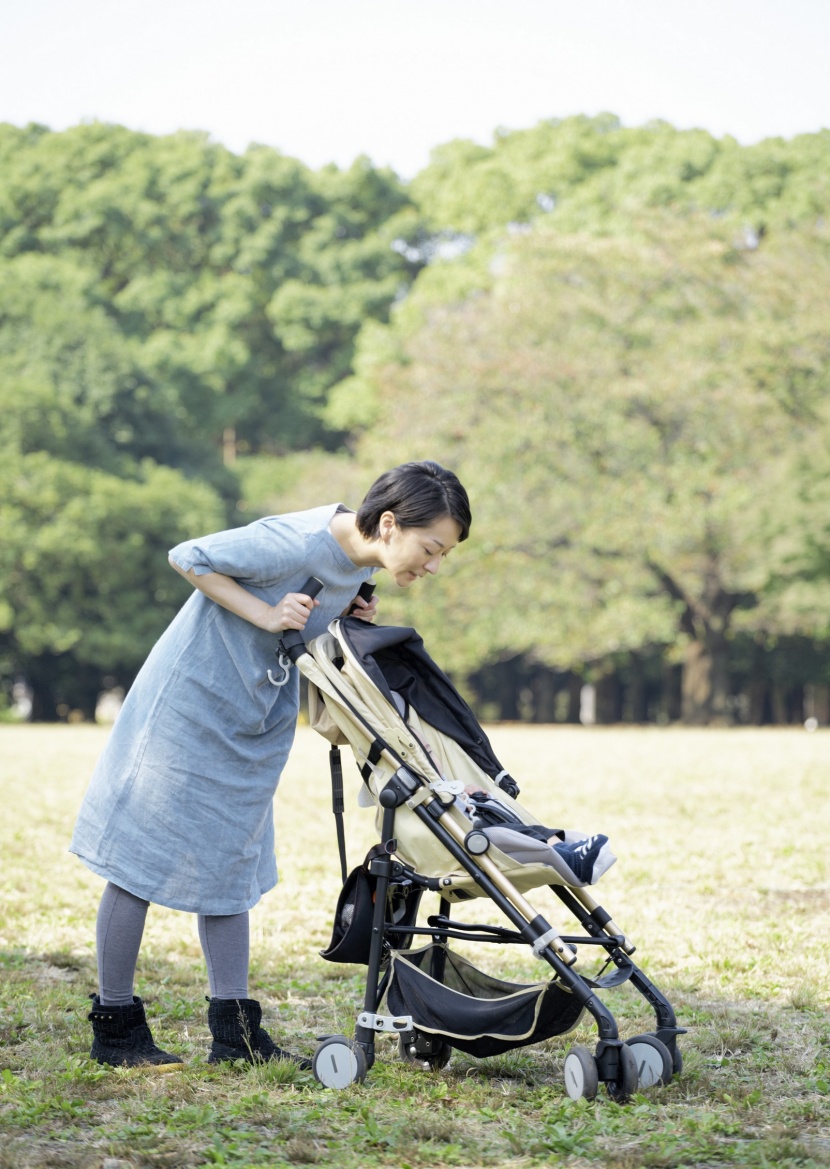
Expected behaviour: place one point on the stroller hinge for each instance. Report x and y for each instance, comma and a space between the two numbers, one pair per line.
394, 1023
399, 789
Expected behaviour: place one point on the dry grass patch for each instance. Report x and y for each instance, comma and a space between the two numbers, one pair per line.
722, 881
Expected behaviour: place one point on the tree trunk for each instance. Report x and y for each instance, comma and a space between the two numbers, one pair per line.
757, 700
62, 689
636, 705
670, 693
543, 687
780, 705
574, 698
705, 621
510, 682
705, 685
609, 699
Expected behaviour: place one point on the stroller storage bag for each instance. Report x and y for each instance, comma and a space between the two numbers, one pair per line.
476, 1013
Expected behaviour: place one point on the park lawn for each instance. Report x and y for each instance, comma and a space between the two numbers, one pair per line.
722, 881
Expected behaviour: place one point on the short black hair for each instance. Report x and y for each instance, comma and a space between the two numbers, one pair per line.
417, 494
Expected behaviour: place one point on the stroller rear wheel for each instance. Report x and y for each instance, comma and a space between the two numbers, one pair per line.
338, 1062
581, 1075
654, 1061
427, 1051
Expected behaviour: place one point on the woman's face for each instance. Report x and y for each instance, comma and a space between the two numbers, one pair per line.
409, 553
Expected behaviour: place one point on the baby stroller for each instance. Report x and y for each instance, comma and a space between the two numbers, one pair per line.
418, 746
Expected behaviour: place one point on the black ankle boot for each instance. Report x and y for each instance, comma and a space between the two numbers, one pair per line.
122, 1037
237, 1034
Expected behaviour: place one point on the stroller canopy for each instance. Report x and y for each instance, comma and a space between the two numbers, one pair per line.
395, 659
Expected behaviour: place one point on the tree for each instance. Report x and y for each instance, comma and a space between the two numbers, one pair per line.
620, 408
589, 173
85, 584
238, 282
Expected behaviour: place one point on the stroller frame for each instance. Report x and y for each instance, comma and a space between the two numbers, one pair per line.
622, 1065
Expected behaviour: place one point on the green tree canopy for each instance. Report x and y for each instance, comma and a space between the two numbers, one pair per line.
592, 172
623, 410
615, 334
239, 282
85, 588
164, 304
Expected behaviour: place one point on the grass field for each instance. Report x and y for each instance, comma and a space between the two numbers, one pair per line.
723, 839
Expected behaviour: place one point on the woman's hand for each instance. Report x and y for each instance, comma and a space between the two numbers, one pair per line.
365, 610
292, 612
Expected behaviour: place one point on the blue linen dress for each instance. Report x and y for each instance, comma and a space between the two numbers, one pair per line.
179, 809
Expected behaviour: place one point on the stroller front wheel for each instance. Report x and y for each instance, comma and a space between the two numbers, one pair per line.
338, 1062
581, 1075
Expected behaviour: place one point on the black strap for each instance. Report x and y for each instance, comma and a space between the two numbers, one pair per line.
375, 752
624, 970
337, 805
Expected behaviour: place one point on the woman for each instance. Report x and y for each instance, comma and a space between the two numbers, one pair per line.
179, 808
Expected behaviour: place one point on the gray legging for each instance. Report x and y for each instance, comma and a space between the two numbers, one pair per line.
120, 927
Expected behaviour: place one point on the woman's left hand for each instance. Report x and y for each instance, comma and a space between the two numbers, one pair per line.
365, 610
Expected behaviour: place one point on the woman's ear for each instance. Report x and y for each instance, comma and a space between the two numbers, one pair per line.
387, 525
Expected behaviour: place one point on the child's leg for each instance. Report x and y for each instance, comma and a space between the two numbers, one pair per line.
119, 930
581, 856
226, 946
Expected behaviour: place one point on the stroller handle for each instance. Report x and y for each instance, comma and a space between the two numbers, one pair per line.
292, 642
365, 591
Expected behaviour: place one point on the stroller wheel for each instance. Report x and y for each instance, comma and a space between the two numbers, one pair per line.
676, 1061
426, 1051
622, 1089
581, 1076
338, 1062
654, 1061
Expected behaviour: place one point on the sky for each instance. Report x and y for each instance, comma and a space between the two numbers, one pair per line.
330, 80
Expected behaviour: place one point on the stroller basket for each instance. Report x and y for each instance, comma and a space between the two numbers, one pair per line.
476, 1013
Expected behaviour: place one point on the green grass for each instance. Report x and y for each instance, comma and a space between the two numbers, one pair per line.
722, 881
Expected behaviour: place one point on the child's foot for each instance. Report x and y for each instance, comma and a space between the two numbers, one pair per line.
582, 856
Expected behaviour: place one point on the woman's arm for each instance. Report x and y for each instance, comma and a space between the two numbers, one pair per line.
292, 612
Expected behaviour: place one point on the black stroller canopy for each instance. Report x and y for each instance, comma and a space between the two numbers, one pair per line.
394, 658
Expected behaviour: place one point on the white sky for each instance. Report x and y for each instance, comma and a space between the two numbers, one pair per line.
327, 80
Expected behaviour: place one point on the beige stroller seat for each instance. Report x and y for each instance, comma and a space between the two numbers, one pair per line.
447, 769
